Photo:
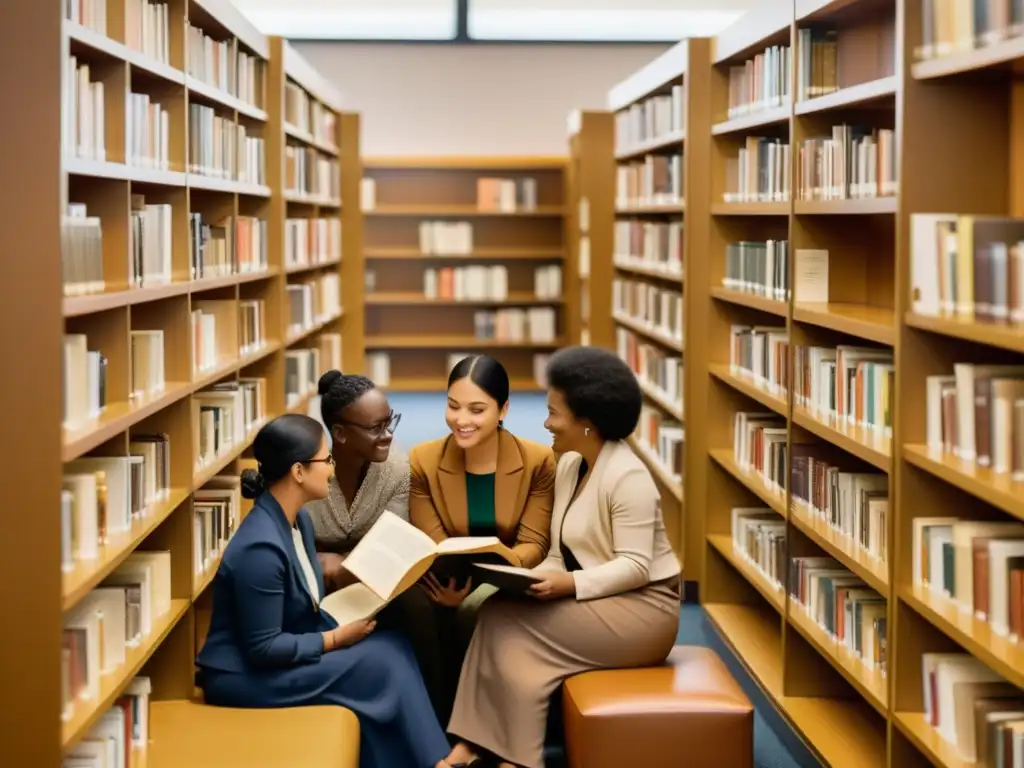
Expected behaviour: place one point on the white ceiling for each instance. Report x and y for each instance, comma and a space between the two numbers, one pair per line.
623, 20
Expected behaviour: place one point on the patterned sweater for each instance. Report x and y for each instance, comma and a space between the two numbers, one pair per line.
339, 525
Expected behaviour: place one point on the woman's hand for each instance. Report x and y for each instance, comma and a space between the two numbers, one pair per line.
336, 576
556, 584
352, 633
449, 595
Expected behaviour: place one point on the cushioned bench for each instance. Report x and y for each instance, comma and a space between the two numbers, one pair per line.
690, 711
190, 734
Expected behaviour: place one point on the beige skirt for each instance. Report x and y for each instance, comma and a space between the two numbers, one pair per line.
523, 649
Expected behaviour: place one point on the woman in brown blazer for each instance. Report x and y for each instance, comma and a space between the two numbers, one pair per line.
480, 480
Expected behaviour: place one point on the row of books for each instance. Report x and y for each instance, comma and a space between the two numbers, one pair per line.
309, 116
852, 387
147, 140
449, 238
116, 616
655, 180
307, 171
651, 305
759, 173
759, 536
147, 29
84, 112
759, 446
977, 415
312, 301
975, 565
217, 511
649, 244
854, 162
507, 195
88, 13
81, 248
760, 354
232, 246
224, 417
538, 325
762, 82
220, 147
817, 62
656, 369
121, 735
303, 367
843, 606
224, 330
311, 241
968, 267
947, 29
648, 120
662, 438
481, 282
102, 497
761, 269
224, 65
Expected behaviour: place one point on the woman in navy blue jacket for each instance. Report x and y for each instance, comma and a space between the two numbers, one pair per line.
270, 645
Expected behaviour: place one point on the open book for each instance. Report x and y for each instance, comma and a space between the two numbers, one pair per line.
392, 557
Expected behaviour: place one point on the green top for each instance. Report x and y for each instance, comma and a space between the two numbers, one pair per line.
480, 499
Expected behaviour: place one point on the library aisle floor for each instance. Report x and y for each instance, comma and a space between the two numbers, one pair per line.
423, 419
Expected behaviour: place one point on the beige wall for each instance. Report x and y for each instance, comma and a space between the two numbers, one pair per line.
472, 99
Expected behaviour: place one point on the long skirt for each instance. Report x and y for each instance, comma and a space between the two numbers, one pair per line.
377, 678
524, 649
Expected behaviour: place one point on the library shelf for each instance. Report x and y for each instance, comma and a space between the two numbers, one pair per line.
752, 300
465, 254
996, 489
653, 144
723, 544
882, 88
860, 321
1004, 337
756, 119
191, 281
773, 497
742, 382
750, 209
858, 207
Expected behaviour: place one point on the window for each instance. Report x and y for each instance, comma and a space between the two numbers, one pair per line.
353, 19
601, 20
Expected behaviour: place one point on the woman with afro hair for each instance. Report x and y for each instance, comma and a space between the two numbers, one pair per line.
610, 595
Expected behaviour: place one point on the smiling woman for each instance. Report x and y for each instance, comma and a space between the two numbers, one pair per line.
481, 480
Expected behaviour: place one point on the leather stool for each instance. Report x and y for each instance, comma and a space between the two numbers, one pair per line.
689, 712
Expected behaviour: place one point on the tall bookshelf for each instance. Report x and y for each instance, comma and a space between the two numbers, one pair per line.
911, 295
659, 176
590, 191
463, 255
157, 305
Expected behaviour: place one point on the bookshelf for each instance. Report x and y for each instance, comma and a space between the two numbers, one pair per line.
877, 488
163, 332
590, 191
661, 170
463, 255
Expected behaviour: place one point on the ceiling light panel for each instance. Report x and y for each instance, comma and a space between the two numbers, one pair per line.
353, 19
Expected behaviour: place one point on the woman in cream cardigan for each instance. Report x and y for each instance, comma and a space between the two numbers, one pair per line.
611, 593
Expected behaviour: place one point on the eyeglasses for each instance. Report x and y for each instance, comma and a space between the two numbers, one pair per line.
329, 459
376, 430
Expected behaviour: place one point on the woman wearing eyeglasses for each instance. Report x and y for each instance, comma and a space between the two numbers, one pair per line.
369, 477
271, 645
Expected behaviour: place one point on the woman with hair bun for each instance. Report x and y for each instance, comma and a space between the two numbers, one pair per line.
270, 645
370, 476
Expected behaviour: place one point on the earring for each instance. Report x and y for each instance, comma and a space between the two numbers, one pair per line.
586, 431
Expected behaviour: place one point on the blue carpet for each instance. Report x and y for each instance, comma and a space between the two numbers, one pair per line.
775, 744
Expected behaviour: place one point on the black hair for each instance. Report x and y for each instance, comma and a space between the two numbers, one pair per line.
281, 442
487, 373
338, 391
598, 387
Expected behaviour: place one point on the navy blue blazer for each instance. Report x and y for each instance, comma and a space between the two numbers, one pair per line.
263, 615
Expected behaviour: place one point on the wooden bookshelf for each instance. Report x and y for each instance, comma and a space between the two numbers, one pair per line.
590, 184
464, 255
166, 280
661, 171
882, 312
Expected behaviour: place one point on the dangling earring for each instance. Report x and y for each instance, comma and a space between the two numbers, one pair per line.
586, 431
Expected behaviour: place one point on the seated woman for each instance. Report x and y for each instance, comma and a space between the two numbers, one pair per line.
270, 645
611, 592
369, 477
480, 480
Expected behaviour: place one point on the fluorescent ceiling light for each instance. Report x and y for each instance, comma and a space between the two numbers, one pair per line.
353, 19
611, 20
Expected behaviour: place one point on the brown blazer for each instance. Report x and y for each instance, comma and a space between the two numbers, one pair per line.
523, 493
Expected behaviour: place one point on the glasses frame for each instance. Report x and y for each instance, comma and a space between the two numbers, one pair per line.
377, 430
329, 459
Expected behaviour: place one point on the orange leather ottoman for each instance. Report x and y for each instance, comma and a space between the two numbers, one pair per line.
690, 711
